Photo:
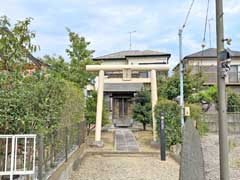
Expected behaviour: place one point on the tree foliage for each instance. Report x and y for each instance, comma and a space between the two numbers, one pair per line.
90, 110
57, 65
172, 121
79, 56
38, 103
142, 109
205, 97
233, 101
169, 88
208, 96
15, 43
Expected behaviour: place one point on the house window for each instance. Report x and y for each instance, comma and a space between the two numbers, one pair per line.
210, 73
144, 74
234, 74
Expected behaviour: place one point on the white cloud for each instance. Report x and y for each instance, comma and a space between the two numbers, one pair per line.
232, 7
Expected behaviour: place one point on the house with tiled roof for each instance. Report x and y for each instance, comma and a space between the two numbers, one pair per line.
119, 97
205, 61
32, 64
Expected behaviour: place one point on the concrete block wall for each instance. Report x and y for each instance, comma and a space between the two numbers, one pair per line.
64, 171
233, 122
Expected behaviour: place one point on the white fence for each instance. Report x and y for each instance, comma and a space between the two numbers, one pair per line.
18, 155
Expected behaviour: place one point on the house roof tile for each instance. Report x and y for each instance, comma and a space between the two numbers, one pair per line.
131, 53
210, 52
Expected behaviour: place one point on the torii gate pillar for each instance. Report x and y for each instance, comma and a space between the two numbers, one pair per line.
154, 102
99, 109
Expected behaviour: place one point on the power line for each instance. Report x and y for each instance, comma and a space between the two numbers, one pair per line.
188, 14
205, 26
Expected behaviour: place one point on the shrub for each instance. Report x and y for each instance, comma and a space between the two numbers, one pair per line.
73, 108
38, 104
142, 109
233, 102
172, 120
196, 115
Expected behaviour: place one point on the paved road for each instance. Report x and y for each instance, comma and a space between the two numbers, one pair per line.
100, 167
125, 141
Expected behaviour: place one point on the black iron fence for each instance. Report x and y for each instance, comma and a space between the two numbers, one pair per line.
56, 147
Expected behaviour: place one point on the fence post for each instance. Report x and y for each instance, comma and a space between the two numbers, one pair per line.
40, 160
79, 135
66, 143
12, 157
84, 130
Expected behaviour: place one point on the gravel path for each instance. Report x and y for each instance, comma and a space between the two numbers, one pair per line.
210, 146
99, 167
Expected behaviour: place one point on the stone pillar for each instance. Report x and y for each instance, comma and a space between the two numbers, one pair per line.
99, 109
154, 102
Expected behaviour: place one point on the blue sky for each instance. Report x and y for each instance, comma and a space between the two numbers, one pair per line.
105, 23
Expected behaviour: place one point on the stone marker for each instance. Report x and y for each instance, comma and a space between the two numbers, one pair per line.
192, 164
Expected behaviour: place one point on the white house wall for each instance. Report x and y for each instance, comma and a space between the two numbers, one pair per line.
145, 60
114, 62
210, 61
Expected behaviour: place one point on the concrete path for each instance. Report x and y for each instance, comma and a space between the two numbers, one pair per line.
125, 141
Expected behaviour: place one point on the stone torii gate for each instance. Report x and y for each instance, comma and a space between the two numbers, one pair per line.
127, 73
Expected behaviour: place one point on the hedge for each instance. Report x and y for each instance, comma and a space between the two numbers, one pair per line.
40, 103
172, 120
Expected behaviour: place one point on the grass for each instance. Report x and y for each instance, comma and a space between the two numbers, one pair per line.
232, 144
236, 163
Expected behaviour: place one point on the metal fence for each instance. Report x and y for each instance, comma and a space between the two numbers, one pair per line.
56, 147
52, 150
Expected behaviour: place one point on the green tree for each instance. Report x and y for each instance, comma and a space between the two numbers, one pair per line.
170, 87
79, 56
142, 109
57, 65
15, 43
205, 97
41, 102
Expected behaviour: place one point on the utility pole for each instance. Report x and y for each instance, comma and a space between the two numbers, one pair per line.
181, 71
223, 127
130, 39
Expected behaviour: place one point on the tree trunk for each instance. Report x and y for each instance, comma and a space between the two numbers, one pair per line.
144, 126
89, 129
